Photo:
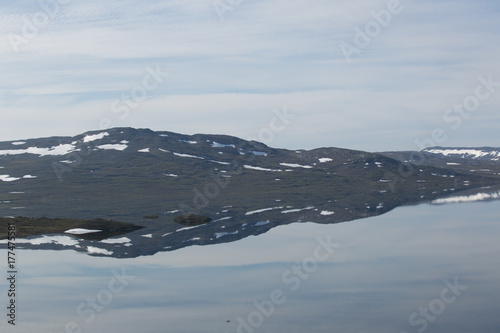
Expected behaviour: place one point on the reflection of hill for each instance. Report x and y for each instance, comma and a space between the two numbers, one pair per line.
246, 188
28, 227
164, 234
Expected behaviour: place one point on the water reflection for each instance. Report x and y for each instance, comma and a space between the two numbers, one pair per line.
233, 224
386, 272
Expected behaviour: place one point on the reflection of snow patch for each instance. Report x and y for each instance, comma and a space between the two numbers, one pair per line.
145, 150
147, 236
193, 239
223, 219
262, 210
188, 228
124, 240
295, 210
262, 223
469, 198
80, 231
221, 234
116, 240
96, 250
59, 240
326, 213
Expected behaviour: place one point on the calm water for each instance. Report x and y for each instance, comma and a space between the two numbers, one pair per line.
432, 268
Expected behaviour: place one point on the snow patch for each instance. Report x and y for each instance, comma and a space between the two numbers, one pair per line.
261, 169
325, 159
220, 145
464, 153
7, 178
293, 165
90, 138
259, 153
219, 162
187, 155
62, 149
327, 213
145, 150
116, 146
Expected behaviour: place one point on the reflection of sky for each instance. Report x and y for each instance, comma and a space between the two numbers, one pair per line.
386, 268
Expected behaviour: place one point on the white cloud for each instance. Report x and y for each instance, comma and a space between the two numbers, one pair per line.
265, 54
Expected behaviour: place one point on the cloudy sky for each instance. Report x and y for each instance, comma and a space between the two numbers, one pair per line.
362, 74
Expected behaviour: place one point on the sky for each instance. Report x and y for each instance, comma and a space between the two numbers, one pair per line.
298, 74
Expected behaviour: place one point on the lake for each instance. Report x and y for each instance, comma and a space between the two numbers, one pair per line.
425, 268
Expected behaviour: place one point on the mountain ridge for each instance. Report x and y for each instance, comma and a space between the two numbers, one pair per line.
125, 174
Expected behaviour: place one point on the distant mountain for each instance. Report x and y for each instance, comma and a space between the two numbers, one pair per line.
245, 187
484, 160
485, 153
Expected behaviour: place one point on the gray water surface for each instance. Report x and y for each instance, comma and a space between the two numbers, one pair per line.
426, 268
